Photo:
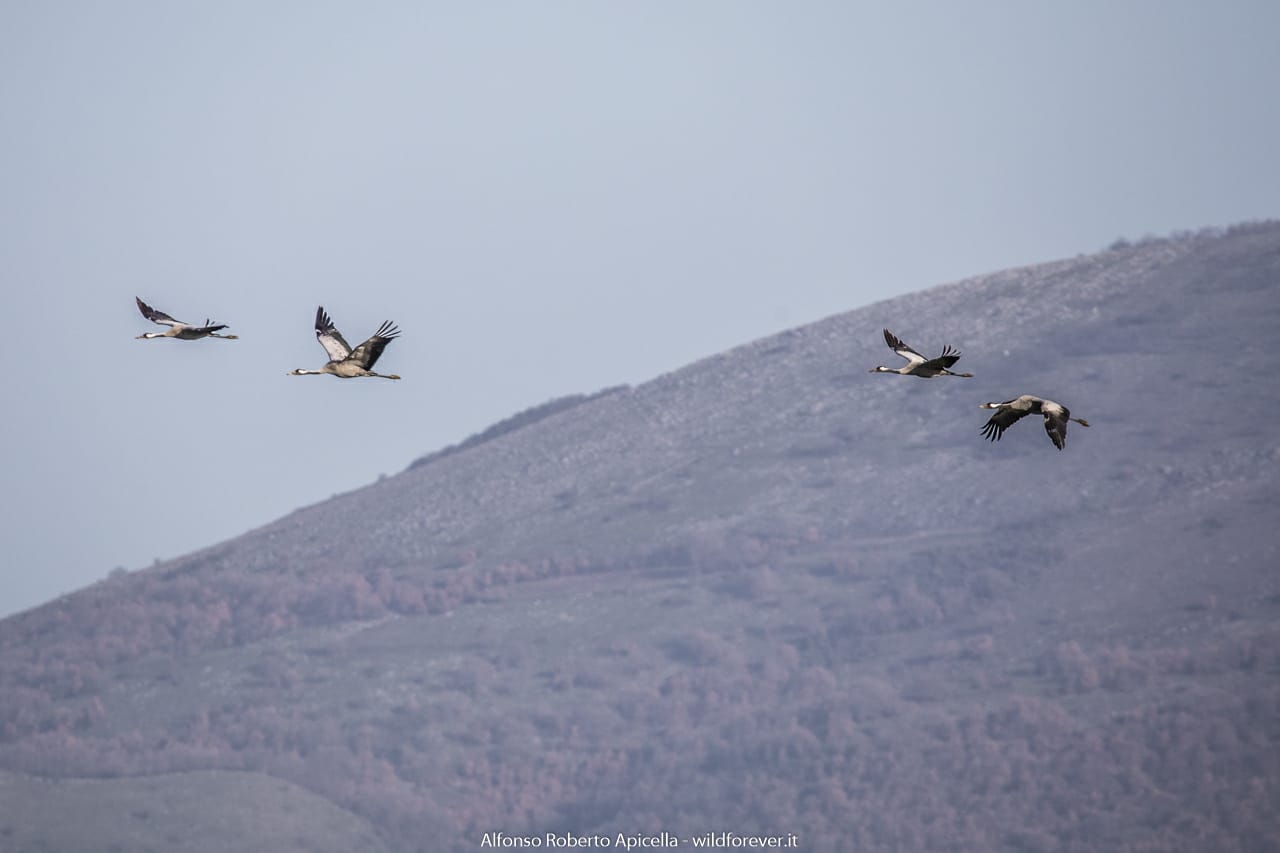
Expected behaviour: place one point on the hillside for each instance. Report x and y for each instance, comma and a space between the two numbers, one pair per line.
767, 593
179, 813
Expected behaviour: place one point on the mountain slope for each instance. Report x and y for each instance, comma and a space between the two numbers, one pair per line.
184, 813
769, 593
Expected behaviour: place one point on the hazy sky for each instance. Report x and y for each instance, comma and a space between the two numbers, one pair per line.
548, 198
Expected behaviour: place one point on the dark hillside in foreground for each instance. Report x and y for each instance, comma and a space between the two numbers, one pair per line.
768, 593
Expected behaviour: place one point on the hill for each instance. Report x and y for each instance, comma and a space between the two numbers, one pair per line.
180, 813
769, 593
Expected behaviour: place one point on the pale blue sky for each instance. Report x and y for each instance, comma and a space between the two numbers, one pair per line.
547, 197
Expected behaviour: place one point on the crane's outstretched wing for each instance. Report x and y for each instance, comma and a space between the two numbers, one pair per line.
156, 316
1001, 421
366, 355
895, 343
946, 360
1056, 426
330, 338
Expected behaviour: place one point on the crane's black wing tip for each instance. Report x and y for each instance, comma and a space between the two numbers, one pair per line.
323, 321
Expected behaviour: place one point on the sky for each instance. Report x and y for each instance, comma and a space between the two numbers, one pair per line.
549, 198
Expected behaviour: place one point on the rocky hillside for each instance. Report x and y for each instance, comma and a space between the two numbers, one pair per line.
768, 593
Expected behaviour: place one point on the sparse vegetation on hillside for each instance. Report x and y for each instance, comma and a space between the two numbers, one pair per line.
806, 690
178, 813
517, 421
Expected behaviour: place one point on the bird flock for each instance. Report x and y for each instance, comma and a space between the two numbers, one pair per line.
1008, 412
344, 362
348, 363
